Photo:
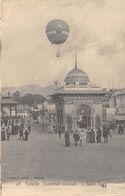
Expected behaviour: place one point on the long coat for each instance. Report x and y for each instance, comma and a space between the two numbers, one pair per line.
105, 132
98, 136
67, 139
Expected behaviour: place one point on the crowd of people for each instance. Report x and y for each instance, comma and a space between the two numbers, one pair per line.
19, 127
90, 135
22, 128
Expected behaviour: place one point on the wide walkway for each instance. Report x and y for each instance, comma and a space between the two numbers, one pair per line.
45, 156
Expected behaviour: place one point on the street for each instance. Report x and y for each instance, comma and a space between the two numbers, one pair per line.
45, 156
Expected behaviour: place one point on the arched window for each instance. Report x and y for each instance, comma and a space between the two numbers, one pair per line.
83, 116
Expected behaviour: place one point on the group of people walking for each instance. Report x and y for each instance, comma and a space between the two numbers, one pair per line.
88, 136
24, 132
15, 127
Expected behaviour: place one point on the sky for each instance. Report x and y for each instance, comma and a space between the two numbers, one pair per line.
97, 27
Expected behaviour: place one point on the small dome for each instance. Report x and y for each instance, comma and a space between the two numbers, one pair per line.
76, 75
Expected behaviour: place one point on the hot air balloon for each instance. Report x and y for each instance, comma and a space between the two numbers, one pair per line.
57, 32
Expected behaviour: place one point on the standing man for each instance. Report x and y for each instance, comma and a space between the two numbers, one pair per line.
92, 136
8, 132
67, 139
59, 132
119, 129
12, 125
98, 136
29, 126
21, 131
76, 138
105, 134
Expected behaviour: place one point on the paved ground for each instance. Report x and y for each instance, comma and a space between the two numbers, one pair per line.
45, 155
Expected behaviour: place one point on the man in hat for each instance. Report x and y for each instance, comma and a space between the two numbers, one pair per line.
76, 138
67, 139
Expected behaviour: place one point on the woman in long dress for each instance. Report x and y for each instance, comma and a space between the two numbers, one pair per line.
67, 139
98, 136
82, 137
92, 136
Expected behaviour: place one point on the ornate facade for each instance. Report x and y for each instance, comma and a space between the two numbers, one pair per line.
79, 104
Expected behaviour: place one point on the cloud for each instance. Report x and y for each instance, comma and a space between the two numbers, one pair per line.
96, 26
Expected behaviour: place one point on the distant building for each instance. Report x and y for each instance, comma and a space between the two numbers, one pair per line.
8, 107
45, 114
23, 110
79, 104
117, 102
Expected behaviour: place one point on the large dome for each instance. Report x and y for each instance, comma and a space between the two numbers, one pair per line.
77, 75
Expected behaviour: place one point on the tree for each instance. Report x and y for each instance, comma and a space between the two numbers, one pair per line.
16, 96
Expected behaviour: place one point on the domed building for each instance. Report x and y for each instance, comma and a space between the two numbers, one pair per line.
76, 76
79, 103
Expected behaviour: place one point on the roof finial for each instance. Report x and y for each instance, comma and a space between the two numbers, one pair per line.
76, 57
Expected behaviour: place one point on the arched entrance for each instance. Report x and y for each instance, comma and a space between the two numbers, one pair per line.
83, 114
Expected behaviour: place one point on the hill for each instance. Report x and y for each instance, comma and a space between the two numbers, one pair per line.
32, 88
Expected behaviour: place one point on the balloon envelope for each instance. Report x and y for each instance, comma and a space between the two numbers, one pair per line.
57, 31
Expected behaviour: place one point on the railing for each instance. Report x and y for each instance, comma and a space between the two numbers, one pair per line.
81, 87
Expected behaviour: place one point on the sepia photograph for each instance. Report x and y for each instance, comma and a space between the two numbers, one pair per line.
63, 97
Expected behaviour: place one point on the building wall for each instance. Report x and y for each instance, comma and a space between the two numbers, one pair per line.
70, 114
116, 106
66, 106
120, 100
97, 114
60, 116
